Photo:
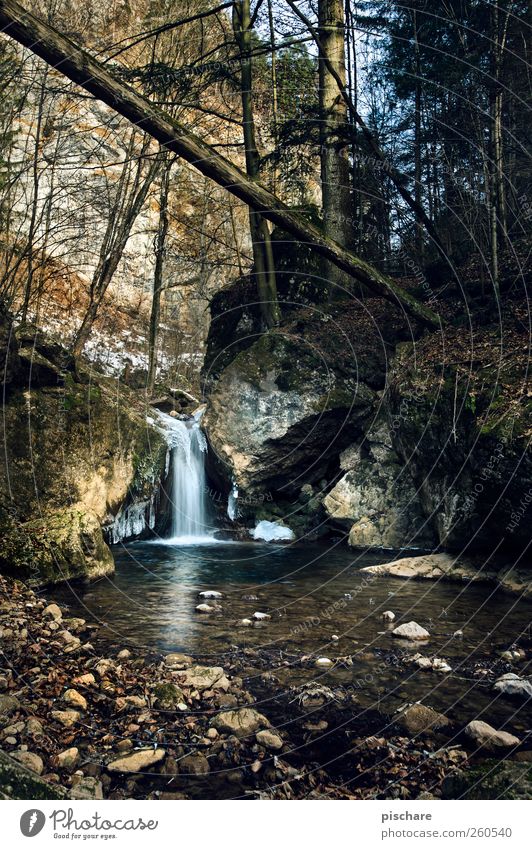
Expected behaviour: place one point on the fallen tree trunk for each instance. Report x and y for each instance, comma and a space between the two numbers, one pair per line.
80, 67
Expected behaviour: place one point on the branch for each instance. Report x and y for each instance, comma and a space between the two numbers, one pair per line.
79, 66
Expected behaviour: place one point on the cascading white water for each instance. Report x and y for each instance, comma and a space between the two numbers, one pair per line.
188, 446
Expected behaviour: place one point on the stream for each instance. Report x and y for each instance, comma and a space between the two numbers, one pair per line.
312, 592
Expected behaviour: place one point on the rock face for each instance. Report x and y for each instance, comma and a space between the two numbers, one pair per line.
272, 413
376, 498
75, 451
464, 437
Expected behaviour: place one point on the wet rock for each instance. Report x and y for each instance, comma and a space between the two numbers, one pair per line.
72, 697
260, 617
125, 654
419, 719
30, 760
87, 788
8, 705
323, 662
437, 664
513, 685
246, 623
241, 723
410, 631
205, 608
388, 616
139, 761
210, 594
177, 660
168, 696
488, 738
67, 718
104, 666
68, 759
205, 678
194, 764
124, 745
269, 740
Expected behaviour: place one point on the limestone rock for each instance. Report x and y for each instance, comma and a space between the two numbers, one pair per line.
68, 718
205, 678
177, 659
513, 685
488, 738
140, 761
72, 697
242, 723
410, 631
68, 759
269, 740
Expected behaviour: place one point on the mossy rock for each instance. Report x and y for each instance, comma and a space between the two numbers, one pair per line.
16, 782
491, 780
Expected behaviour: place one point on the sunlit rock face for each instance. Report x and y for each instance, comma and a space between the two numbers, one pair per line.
279, 413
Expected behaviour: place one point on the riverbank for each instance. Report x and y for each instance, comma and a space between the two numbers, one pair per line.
89, 718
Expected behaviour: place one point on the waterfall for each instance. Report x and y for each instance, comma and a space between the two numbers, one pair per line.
188, 448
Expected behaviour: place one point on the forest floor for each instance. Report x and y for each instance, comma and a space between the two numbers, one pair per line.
93, 720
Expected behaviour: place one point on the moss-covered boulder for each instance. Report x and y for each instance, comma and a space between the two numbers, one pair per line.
491, 780
77, 449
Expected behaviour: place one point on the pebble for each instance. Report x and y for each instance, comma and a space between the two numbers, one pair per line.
246, 623
335, 637
72, 697
67, 718
323, 661
87, 788
261, 616
210, 594
125, 654
68, 759
205, 608
388, 616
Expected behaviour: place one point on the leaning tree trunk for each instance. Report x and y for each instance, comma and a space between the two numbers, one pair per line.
80, 67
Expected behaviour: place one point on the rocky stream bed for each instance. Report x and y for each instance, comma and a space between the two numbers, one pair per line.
85, 718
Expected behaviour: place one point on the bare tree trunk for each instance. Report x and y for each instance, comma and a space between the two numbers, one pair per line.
160, 248
80, 67
335, 169
417, 141
260, 233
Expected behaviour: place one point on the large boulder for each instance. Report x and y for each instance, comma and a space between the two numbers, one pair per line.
278, 414
376, 498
